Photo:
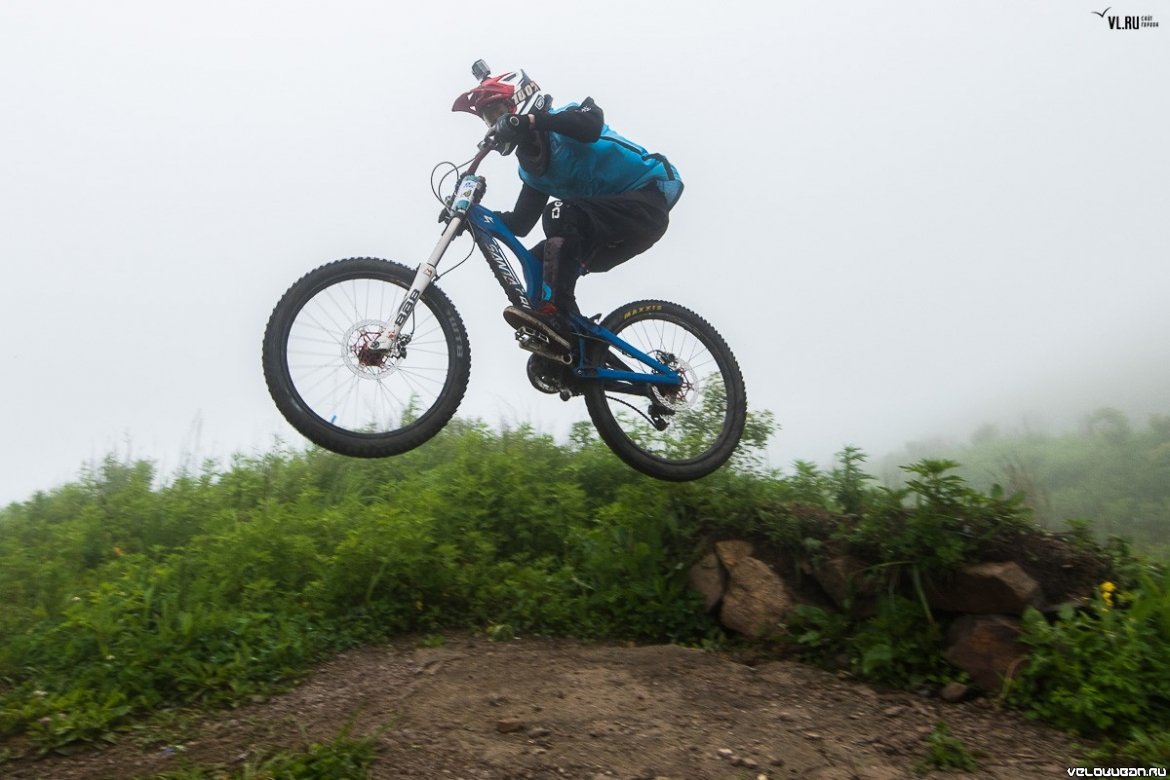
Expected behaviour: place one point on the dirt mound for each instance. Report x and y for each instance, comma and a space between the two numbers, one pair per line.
538, 708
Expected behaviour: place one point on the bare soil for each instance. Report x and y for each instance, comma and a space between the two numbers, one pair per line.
542, 708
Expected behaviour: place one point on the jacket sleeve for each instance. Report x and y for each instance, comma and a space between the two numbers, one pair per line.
582, 123
524, 216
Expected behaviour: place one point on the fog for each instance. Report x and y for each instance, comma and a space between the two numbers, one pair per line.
907, 219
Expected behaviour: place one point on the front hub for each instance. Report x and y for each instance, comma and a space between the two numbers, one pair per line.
365, 361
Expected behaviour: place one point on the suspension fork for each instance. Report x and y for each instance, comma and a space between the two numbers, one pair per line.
468, 192
388, 339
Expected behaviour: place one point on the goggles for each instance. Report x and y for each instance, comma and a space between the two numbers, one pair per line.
495, 110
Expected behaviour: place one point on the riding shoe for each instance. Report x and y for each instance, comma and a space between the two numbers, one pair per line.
547, 321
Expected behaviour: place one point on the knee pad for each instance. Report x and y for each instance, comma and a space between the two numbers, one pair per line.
561, 269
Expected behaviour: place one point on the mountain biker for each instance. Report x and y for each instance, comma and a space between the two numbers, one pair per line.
611, 197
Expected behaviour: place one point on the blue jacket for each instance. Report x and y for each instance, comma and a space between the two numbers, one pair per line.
609, 165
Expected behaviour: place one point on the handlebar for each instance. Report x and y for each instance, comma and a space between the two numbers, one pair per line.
486, 146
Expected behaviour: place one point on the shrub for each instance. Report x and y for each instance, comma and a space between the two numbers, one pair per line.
1102, 671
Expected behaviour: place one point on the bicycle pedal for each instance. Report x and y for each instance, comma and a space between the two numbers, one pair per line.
527, 334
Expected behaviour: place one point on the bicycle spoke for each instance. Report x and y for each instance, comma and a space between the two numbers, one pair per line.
690, 413
352, 390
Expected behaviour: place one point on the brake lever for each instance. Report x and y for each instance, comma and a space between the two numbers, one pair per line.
489, 141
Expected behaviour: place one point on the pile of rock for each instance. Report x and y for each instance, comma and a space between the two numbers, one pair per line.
754, 595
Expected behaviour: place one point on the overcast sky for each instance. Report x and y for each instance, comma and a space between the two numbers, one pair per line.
907, 218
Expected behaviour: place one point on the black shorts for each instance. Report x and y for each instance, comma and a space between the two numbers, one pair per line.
610, 229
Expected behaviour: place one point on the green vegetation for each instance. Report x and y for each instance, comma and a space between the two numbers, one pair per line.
944, 751
1110, 472
1103, 671
121, 596
931, 526
343, 758
124, 594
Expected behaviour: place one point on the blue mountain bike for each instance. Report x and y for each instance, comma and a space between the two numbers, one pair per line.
369, 358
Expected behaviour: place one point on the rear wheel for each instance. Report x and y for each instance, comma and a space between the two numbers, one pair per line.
345, 397
673, 433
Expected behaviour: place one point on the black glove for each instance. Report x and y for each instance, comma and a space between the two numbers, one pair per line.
512, 128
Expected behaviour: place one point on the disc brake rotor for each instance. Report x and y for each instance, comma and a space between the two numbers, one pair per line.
681, 397
363, 361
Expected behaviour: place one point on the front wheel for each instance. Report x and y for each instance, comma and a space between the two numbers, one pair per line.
671, 433
345, 397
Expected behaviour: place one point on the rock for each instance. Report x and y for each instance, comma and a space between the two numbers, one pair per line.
987, 647
832, 773
537, 732
955, 692
879, 773
709, 578
730, 553
845, 580
509, 725
756, 601
985, 589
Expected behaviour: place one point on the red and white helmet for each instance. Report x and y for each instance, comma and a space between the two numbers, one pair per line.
512, 92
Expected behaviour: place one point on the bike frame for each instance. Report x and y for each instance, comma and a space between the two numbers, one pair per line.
488, 230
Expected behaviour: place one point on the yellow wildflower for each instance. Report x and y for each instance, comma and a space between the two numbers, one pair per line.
1107, 589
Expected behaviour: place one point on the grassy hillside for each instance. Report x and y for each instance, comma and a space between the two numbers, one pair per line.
1110, 475
122, 596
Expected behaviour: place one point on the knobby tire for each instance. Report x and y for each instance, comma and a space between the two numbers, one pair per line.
708, 418
354, 406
